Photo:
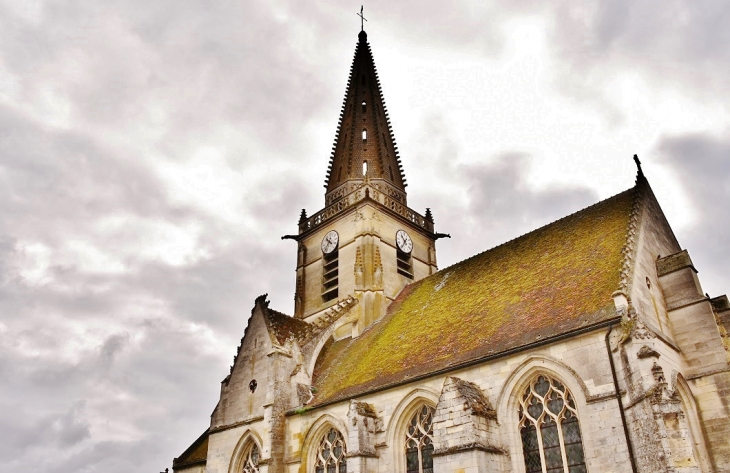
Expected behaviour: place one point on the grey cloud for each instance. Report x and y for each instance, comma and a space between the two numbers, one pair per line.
703, 164
498, 203
161, 79
685, 43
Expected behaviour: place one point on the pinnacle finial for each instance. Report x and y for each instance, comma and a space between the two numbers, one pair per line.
429, 215
638, 165
362, 19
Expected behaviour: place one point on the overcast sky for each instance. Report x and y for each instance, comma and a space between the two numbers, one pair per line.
153, 153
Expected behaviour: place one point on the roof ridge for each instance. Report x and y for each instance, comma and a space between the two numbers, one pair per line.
524, 235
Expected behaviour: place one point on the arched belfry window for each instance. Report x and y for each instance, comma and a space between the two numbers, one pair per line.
251, 462
331, 454
551, 440
419, 442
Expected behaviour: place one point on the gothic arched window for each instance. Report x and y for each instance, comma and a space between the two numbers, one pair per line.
551, 440
251, 462
331, 454
419, 442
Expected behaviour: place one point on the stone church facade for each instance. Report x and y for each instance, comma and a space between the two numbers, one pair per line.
587, 345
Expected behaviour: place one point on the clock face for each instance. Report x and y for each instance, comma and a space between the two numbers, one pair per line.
330, 241
404, 242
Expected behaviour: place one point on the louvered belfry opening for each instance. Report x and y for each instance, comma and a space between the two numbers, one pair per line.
364, 146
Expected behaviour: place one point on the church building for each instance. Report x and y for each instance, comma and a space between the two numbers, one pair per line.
587, 345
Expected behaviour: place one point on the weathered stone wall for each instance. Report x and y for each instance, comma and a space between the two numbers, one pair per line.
654, 238
237, 402
713, 399
222, 445
581, 363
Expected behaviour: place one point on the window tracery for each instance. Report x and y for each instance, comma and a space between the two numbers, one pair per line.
548, 422
331, 454
419, 442
251, 463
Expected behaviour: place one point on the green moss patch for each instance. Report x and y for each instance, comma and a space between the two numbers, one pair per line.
550, 281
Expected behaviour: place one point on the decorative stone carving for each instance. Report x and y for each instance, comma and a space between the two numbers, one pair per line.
329, 317
359, 269
377, 270
647, 352
363, 420
304, 394
641, 331
629, 249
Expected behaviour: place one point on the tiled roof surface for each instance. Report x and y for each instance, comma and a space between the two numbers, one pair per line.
196, 453
284, 327
551, 281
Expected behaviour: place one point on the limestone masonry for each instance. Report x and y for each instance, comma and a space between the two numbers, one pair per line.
587, 345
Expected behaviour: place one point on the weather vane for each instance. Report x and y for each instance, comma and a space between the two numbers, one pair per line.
362, 19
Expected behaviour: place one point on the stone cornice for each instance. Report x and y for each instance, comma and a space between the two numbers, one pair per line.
222, 428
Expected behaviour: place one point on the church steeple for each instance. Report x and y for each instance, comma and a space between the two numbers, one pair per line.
364, 146
366, 244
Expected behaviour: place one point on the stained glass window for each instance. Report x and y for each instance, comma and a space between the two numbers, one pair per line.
419, 442
251, 464
551, 441
331, 454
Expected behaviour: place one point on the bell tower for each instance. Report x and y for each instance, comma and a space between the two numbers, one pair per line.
366, 244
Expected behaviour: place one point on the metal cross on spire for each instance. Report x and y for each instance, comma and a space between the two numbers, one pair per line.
362, 19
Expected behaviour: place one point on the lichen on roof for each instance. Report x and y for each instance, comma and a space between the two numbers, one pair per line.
284, 327
553, 280
196, 453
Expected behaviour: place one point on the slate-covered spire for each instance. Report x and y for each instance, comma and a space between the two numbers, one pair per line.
364, 142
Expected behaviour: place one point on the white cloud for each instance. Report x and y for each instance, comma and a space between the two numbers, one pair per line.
152, 154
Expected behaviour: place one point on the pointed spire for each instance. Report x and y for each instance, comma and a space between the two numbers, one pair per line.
364, 145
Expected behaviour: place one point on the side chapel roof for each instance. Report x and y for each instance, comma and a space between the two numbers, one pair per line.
552, 281
196, 454
283, 327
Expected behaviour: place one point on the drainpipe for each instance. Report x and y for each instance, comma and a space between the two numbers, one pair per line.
620, 401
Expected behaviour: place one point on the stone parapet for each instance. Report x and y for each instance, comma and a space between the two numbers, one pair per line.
374, 190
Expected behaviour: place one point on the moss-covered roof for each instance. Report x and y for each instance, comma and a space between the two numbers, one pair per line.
284, 327
195, 454
551, 281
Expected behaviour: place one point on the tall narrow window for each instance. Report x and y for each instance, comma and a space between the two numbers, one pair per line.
364, 168
364, 107
419, 442
251, 464
331, 454
364, 136
551, 440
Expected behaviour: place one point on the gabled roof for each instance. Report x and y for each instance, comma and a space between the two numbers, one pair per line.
196, 454
554, 280
283, 327
350, 150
